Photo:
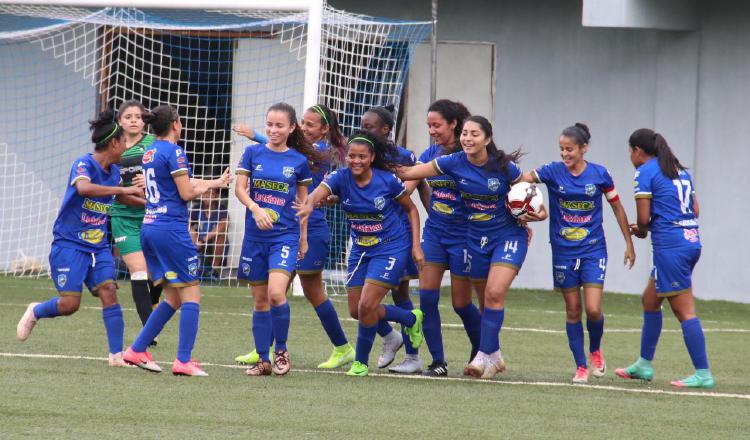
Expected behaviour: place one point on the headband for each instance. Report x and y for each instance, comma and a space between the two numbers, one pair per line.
109, 136
360, 138
319, 110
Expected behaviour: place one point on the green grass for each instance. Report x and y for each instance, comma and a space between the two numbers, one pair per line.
80, 398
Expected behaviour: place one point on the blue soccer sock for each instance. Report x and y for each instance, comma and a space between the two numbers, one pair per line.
397, 314
161, 314
262, 333
433, 335
280, 317
330, 321
472, 321
115, 326
365, 339
650, 334
492, 322
384, 328
408, 348
575, 342
596, 331
692, 332
47, 309
190, 313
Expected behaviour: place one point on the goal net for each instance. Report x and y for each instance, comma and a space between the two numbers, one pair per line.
60, 65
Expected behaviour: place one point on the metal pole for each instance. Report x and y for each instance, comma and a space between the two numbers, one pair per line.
312, 56
433, 52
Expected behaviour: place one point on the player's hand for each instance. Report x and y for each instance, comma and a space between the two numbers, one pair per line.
530, 216
629, 259
243, 130
529, 235
262, 219
303, 210
302, 249
330, 200
139, 181
132, 191
636, 231
225, 180
418, 255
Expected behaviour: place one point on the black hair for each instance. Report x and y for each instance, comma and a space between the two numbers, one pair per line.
654, 144
579, 132
385, 114
498, 159
451, 111
103, 129
336, 139
130, 103
296, 139
384, 151
160, 118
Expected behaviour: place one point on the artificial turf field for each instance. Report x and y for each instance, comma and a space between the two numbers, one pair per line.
58, 385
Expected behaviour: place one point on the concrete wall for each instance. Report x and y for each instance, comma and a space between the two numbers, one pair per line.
690, 86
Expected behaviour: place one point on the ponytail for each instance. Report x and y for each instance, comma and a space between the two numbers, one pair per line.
103, 129
336, 139
654, 144
498, 160
579, 132
160, 119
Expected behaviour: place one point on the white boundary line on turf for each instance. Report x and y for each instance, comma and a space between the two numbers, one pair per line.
412, 377
449, 325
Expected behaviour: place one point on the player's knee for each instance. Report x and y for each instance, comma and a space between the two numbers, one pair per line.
354, 312
573, 314
68, 304
593, 313
365, 309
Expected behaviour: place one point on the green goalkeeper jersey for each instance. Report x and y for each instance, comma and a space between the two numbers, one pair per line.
130, 165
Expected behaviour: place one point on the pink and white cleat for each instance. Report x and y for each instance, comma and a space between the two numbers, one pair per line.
598, 364
27, 323
582, 375
476, 367
190, 368
115, 360
141, 360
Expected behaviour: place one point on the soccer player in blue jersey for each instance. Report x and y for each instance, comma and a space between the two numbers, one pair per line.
380, 122
579, 250
668, 207
371, 195
171, 256
496, 243
270, 177
319, 127
80, 248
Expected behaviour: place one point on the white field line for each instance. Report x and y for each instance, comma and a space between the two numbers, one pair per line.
410, 377
446, 325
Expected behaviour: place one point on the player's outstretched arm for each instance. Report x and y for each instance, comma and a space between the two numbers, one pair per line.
417, 172
305, 208
85, 188
622, 221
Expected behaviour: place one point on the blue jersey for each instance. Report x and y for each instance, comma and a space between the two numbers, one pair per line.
317, 220
274, 178
82, 221
372, 210
405, 158
446, 211
673, 223
575, 208
165, 209
483, 194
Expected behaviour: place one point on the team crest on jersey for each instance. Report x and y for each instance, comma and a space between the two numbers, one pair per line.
379, 203
61, 280
560, 277
193, 269
170, 275
590, 189
148, 156
288, 172
245, 268
493, 184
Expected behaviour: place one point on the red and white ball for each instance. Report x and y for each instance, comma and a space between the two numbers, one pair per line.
524, 197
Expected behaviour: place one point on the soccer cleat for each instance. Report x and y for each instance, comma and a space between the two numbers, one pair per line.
493, 364
115, 360
436, 369
415, 331
281, 363
410, 365
475, 368
636, 371
189, 368
697, 380
391, 344
358, 369
141, 360
340, 356
582, 375
598, 364
251, 358
260, 368
27, 323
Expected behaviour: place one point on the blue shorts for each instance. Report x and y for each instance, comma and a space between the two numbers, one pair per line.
673, 270
411, 271
382, 264
259, 258
572, 273
315, 258
71, 268
171, 256
484, 252
445, 250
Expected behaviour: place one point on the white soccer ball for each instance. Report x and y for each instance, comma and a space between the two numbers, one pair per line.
524, 197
